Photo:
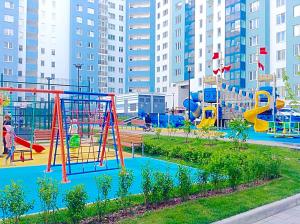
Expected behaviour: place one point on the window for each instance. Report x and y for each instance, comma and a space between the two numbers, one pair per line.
297, 69
8, 18
280, 37
20, 74
297, 50
111, 5
279, 73
252, 58
8, 32
121, 7
111, 37
297, 30
297, 11
90, 11
253, 24
280, 55
9, 5
121, 39
79, 8
79, 19
90, 68
52, 51
121, 18
280, 3
79, 31
20, 61
7, 71
42, 75
90, 45
252, 75
8, 45
254, 6
42, 63
253, 41
91, 34
53, 64
280, 19
111, 15
90, 22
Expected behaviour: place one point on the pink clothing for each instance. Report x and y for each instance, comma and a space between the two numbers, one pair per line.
9, 136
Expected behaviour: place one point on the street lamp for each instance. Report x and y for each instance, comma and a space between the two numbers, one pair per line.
78, 67
49, 104
189, 72
173, 108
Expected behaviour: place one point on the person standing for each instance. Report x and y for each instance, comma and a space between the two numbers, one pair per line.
7, 121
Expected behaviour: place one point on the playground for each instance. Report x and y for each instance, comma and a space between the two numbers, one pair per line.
77, 137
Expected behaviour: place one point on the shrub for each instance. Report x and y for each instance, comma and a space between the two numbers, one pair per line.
3, 205
13, 202
147, 184
162, 187
157, 132
187, 127
239, 132
103, 184
48, 194
125, 182
76, 199
184, 182
202, 178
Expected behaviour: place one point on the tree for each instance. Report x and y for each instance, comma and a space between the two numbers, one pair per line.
239, 132
187, 127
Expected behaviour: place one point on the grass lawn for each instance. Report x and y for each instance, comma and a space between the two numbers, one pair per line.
208, 210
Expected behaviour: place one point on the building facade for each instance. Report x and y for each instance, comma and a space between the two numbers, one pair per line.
140, 46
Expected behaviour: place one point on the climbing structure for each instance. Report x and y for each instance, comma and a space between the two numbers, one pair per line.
88, 125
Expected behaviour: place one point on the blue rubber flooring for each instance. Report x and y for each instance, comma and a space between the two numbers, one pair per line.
27, 177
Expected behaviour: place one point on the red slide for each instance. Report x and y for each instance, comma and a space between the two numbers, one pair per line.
37, 148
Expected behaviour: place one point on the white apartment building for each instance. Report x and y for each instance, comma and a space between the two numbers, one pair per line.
116, 34
209, 38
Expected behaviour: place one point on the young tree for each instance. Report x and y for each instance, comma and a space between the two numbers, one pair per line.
103, 184
187, 127
239, 132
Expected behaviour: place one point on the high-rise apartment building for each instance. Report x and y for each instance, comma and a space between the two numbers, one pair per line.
140, 46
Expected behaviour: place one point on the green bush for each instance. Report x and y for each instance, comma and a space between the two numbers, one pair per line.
184, 182
162, 187
48, 194
103, 184
147, 184
227, 166
125, 182
13, 203
76, 199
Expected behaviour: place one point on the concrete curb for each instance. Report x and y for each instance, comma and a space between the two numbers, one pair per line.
263, 212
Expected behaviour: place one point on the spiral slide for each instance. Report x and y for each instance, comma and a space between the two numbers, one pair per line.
251, 115
37, 148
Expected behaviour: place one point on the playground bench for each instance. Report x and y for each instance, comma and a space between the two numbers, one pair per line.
132, 140
138, 123
42, 134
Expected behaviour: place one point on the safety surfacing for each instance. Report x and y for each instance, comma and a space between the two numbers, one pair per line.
28, 176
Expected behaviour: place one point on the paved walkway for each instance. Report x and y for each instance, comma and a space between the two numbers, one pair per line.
290, 216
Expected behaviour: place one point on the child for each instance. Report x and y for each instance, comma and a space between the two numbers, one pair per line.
7, 121
9, 140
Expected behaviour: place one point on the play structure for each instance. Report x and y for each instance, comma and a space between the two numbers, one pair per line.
232, 103
84, 128
10, 137
259, 107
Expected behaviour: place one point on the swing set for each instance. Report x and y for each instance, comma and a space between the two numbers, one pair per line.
84, 129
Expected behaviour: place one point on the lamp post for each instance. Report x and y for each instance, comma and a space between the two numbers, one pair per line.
49, 104
173, 108
78, 67
189, 72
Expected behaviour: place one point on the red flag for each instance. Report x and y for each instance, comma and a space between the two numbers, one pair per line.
261, 66
227, 68
216, 71
216, 55
263, 50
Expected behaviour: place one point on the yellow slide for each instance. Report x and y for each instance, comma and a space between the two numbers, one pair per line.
207, 122
251, 115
